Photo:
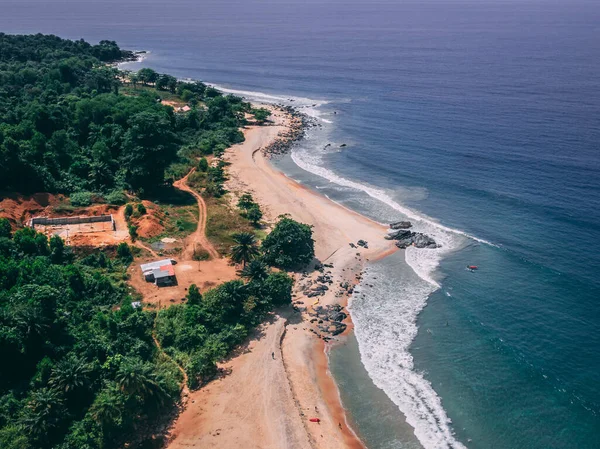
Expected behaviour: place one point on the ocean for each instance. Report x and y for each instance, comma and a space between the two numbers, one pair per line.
477, 120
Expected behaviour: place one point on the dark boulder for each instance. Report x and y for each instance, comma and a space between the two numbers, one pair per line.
401, 225
399, 235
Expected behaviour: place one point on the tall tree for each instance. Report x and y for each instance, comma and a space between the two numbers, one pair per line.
149, 146
256, 271
289, 245
245, 248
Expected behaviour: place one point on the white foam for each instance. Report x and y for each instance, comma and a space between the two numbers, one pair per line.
423, 261
385, 326
139, 58
308, 106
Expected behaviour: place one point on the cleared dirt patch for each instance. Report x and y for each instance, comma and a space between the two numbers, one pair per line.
205, 274
83, 234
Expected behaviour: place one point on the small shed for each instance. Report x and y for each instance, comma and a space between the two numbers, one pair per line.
160, 272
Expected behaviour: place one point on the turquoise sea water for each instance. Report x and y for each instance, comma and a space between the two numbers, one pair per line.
482, 117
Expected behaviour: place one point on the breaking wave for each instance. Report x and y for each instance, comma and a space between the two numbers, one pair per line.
385, 318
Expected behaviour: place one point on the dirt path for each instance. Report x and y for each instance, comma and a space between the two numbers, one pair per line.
199, 236
145, 247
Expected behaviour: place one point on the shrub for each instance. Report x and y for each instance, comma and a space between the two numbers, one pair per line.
133, 232
82, 199
261, 114
203, 164
278, 288
200, 254
246, 201
124, 252
290, 245
215, 190
254, 214
141, 209
128, 211
116, 197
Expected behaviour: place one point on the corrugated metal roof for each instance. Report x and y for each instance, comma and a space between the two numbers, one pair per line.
156, 265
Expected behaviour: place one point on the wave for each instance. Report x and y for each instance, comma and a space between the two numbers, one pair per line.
423, 261
385, 326
308, 106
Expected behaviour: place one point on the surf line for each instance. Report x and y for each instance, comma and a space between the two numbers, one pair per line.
328, 174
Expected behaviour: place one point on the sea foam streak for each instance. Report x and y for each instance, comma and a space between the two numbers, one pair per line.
385, 319
385, 326
306, 105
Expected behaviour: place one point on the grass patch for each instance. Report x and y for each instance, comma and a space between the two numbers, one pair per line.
260, 234
128, 89
64, 208
197, 181
178, 221
222, 222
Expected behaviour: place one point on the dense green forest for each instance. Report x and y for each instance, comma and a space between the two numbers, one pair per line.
71, 122
81, 367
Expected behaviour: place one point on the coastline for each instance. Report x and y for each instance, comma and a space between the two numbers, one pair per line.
294, 380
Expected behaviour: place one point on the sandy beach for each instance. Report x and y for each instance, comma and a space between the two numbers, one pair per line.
280, 379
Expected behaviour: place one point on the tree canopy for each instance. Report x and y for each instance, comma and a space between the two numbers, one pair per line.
66, 127
79, 367
289, 245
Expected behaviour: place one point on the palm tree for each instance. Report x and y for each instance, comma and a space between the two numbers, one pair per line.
256, 271
233, 294
245, 248
42, 413
108, 407
70, 374
136, 377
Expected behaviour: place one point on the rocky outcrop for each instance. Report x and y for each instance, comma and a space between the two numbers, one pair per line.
399, 235
329, 319
401, 225
417, 239
405, 238
298, 124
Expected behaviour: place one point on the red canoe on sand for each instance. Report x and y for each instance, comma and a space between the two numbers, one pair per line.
314, 420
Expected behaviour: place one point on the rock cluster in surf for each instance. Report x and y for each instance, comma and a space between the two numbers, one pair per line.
405, 237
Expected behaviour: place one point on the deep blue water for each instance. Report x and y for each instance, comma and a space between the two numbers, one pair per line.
483, 115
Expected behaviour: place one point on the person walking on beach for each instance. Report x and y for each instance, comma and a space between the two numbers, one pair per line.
273, 355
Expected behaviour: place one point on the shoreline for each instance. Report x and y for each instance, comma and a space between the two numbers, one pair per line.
322, 345
282, 379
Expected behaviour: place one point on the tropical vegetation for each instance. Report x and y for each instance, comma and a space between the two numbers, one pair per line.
66, 126
84, 365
